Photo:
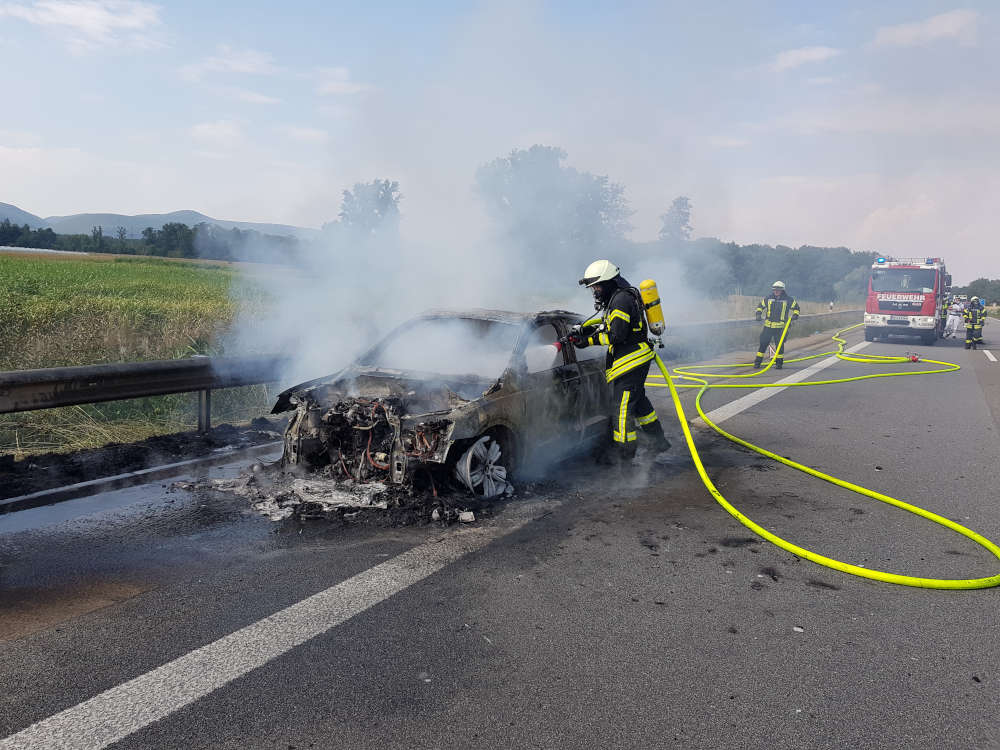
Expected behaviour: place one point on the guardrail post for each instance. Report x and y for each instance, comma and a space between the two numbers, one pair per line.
204, 410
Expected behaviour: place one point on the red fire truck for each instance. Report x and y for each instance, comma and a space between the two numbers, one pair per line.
905, 297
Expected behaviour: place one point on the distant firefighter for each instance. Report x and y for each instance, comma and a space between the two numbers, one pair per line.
774, 311
975, 316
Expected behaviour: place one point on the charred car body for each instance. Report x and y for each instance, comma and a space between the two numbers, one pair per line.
478, 392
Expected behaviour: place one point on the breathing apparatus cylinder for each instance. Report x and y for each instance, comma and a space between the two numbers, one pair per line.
651, 302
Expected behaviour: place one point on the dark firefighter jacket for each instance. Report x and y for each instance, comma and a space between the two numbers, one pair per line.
775, 310
621, 326
975, 316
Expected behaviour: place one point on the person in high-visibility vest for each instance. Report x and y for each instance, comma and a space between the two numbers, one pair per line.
620, 324
975, 316
774, 311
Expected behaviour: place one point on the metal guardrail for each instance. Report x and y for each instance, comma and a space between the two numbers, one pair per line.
28, 390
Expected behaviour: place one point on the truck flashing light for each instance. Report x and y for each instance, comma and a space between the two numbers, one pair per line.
880, 260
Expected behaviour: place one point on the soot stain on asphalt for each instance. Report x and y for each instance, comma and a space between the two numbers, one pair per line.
45, 471
821, 584
738, 541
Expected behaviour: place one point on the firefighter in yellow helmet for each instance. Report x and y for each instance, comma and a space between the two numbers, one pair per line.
774, 311
620, 325
975, 316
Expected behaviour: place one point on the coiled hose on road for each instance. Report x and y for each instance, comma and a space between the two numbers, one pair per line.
700, 380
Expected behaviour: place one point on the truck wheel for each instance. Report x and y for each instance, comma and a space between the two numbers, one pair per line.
929, 339
869, 336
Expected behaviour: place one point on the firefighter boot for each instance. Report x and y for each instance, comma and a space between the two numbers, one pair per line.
654, 442
778, 363
756, 363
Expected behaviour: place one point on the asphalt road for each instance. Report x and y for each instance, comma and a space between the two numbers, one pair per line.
603, 612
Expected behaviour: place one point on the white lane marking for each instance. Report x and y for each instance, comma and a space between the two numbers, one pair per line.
730, 410
131, 706
989, 355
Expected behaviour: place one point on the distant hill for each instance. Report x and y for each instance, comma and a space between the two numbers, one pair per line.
109, 223
19, 217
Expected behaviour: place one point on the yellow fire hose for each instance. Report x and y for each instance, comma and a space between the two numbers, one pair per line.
700, 381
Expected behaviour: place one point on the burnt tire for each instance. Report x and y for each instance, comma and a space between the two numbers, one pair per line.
484, 468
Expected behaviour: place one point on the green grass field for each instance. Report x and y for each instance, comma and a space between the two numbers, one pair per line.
62, 310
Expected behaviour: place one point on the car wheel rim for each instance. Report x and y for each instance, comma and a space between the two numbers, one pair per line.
481, 468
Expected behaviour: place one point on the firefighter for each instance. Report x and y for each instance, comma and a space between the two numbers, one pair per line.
946, 304
975, 315
620, 325
774, 311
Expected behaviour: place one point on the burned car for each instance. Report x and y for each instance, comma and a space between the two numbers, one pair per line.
475, 395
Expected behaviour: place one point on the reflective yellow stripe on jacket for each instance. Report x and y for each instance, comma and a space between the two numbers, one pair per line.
780, 323
629, 362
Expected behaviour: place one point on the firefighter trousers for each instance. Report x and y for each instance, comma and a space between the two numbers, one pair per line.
973, 336
629, 402
766, 337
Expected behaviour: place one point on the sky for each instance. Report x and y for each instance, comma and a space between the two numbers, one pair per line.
868, 125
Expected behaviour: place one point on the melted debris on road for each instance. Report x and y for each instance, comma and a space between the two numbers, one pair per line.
322, 495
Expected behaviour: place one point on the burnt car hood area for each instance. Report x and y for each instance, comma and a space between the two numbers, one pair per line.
451, 402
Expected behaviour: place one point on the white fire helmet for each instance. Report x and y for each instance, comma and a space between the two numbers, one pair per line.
599, 270
778, 285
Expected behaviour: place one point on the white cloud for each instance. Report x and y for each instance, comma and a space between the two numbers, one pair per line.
793, 58
230, 60
876, 112
957, 24
91, 24
18, 138
220, 133
252, 97
305, 135
337, 81
821, 80
722, 141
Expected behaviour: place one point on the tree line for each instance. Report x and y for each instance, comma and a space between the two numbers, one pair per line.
987, 289
172, 240
548, 214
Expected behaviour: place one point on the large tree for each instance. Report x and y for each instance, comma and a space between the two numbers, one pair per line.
676, 222
550, 215
371, 208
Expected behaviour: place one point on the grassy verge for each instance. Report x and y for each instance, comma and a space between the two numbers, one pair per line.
62, 310
58, 311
